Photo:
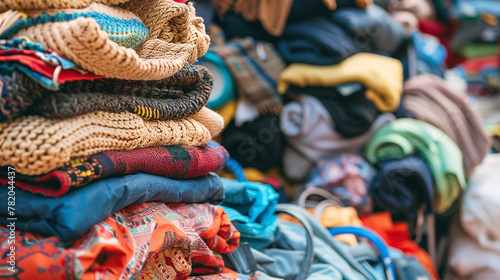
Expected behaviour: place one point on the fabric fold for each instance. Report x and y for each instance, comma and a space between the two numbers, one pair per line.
71, 215
429, 99
177, 97
384, 88
175, 36
405, 137
145, 241
35, 145
174, 162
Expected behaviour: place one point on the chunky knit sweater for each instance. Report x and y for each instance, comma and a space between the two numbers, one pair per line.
35, 145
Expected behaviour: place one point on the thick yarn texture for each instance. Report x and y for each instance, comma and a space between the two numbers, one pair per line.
34, 145
429, 99
175, 35
176, 97
52, 4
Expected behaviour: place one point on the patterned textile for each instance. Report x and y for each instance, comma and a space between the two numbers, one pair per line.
256, 71
175, 162
348, 177
177, 97
148, 241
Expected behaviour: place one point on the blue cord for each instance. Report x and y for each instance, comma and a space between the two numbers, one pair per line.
374, 238
237, 169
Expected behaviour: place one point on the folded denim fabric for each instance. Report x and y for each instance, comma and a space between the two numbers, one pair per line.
70, 216
250, 206
255, 70
328, 44
402, 186
372, 26
405, 137
348, 177
145, 240
34, 145
174, 162
175, 36
352, 113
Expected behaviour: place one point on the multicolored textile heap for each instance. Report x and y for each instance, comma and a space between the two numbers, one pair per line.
73, 214
146, 241
175, 162
255, 71
177, 97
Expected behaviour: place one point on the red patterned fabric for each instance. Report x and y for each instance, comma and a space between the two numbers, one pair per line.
29, 59
213, 225
175, 162
148, 241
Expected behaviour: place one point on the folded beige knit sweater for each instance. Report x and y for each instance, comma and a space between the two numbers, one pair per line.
35, 145
175, 35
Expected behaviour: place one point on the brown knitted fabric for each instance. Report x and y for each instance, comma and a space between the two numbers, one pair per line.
177, 97
35, 145
52, 4
429, 99
175, 36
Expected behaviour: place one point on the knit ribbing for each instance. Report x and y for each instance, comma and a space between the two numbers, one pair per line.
35, 145
175, 36
177, 97
52, 4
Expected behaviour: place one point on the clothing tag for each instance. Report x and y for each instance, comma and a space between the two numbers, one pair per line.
348, 89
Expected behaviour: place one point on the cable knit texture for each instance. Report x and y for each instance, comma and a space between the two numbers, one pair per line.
52, 4
175, 35
35, 145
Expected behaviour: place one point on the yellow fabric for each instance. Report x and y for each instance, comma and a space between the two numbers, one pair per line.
341, 216
382, 76
227, 111
493, 130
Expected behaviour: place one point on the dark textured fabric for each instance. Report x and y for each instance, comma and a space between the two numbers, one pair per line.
256, 73
353, 114
177, 97
372, 26
402, 186
317, 41
258, 144
70, 216
175, 162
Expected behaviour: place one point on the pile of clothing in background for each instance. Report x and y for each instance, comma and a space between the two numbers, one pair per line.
377, 103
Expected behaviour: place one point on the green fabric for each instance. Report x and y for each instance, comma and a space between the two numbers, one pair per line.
405, 137
475, 50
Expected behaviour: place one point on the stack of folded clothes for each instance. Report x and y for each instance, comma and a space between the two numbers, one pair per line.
106, 141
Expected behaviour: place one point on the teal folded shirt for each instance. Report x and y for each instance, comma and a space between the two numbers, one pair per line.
405, 137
